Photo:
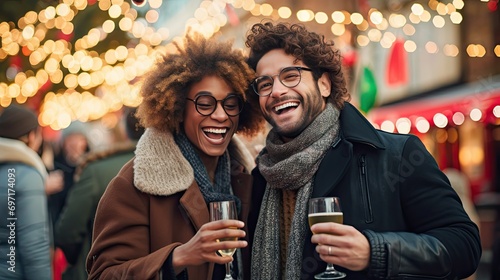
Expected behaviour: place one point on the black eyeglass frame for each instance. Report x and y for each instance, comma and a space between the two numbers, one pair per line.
299, 68
241, 104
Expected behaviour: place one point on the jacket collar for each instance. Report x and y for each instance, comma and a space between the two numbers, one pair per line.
356, 128
16, 151
160, 168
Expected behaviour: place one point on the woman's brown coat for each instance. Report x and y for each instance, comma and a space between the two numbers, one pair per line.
136, 231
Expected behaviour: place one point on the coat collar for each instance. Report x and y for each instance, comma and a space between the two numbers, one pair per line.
160, 168
354, 128
16, 151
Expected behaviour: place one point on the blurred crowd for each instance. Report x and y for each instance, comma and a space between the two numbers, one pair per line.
59, 205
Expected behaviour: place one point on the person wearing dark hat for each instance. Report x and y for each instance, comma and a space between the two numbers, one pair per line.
73, 231
25, 241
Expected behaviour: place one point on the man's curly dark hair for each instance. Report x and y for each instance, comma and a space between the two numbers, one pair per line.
309, 47
166, 85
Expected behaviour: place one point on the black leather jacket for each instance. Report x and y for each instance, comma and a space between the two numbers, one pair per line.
394, 193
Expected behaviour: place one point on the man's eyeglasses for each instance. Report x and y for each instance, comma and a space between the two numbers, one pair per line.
289, 77
206, 104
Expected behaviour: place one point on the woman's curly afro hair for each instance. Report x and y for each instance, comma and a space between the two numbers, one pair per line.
166, 85
306, 46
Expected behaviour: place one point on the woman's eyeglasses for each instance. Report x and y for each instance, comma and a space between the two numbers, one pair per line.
290, 77
206, 104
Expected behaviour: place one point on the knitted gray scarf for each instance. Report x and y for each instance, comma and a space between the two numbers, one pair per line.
289, 166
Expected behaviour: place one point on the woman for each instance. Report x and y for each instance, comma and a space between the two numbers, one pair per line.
153, 220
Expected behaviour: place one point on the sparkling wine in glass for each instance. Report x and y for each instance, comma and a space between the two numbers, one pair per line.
323, 210
224, 210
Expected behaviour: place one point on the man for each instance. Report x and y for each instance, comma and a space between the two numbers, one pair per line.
73, 230
402, 219
25, 239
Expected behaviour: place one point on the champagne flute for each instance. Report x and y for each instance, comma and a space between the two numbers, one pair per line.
322, 210
224, 210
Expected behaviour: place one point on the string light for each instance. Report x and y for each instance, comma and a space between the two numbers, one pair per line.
88, 70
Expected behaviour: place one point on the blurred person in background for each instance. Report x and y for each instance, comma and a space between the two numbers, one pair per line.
69, 152
153, 220
73, 146
461, 185
73, 232
25, 239
495, 246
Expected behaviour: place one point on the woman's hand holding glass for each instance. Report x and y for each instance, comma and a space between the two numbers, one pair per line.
225, 210
203, 247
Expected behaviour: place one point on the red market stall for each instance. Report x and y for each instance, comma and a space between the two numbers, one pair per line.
460, 126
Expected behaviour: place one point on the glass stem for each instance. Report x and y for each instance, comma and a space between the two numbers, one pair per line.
228, 271
329, 267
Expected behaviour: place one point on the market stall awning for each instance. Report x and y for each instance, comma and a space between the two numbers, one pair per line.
479, 100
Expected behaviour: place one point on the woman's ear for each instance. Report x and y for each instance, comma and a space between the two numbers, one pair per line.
324, 85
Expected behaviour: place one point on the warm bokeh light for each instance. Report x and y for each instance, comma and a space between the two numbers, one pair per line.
422, 125
417, 9
459, 4
476, 50
410, 46
356, 18
451, 50
338, 17
266, 9
456, 17
284, 12
387, 126
409, 30
338, 29
471, 155
376, 17
321, 17
458, 118
387, 39
440, 120
496, 111
397, 20
438, 21
425, 16
375, 35
305, 15
362, 40
476, 114
403, 125
431, 47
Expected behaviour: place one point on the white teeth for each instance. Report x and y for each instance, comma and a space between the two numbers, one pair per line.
215, 130
286, 105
